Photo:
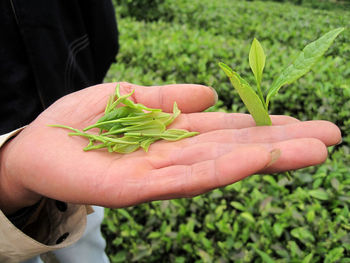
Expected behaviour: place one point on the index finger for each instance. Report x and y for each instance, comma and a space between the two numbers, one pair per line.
210, 121
88, 105
189, 97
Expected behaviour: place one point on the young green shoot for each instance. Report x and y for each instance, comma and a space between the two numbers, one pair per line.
257, 102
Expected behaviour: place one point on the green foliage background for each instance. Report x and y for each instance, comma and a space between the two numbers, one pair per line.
262, 218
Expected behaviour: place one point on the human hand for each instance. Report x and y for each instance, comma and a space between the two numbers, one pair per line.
44, 161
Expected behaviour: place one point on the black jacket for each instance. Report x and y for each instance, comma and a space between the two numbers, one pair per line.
49, 48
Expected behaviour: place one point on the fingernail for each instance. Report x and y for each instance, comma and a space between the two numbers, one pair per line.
275, 155
340, 142
215, 95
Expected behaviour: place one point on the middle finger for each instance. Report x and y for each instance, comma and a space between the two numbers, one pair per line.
324, 131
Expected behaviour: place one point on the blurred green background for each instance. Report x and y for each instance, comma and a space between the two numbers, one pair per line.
262, 218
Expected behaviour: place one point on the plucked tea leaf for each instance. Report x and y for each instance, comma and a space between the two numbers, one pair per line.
176, 134
303, 63
149, 127
111, 99
124, 129
125, 100
121, 99
147, 142
257, 59
106, 121
125, 148
248, 96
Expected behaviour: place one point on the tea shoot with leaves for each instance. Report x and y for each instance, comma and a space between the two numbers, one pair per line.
254, 100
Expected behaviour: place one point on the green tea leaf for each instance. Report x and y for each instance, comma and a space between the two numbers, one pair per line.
167, 118
106, 121
335, 183
204, 256
176, 112
310, 216
176, 134
334, 255
319, 194
121, 99
96, 146
145, 144
111, 99
136, 120
257, 59
125, 129
127, 148
308, 258
149, 127
121, 256
125, 100
238, 205
294, 248
303, 63
278, 229
248, 96
302, 234
264, 256
116, 118
248, 216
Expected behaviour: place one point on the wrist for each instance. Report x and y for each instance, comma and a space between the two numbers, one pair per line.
13, 195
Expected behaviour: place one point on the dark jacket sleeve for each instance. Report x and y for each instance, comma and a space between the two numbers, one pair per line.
51, 48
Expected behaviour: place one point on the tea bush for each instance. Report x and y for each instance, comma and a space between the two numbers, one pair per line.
188, 49
262, 218
321, 4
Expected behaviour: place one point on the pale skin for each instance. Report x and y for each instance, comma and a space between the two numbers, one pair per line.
45, 161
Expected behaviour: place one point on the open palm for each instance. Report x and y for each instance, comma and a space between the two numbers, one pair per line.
44, 161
